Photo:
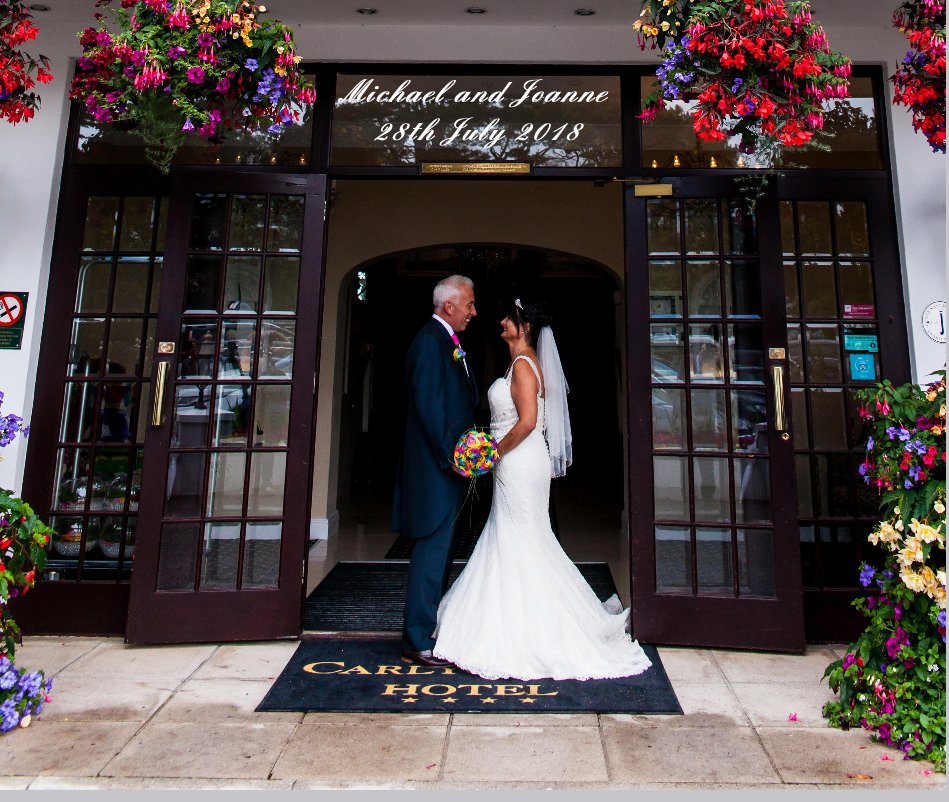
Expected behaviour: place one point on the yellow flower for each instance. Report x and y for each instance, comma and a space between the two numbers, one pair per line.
927, 575
638, 24
912, 551
938, 594
912, 580
939, 507
926, 533
665, 26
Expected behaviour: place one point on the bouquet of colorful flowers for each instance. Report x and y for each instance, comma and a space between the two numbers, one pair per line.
19, 72
920, 81
758, 69
198, 67
476, 453
22, 695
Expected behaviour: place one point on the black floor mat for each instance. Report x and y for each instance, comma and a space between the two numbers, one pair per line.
370, 596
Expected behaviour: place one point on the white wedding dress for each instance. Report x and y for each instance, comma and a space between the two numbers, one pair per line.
520, 608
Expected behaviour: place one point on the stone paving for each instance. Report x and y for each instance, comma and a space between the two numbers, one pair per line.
182, 717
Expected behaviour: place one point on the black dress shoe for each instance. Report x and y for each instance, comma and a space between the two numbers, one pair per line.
424, 658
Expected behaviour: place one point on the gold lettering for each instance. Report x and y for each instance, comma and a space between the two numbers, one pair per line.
310, 667
413, 670
474, 689
389, 670
355, 670
509, 690
532, 690
429, 690
393, 690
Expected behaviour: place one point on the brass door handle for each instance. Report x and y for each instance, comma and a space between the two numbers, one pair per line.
777, 385
158, 397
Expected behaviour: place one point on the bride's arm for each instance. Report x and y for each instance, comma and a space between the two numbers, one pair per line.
524, 392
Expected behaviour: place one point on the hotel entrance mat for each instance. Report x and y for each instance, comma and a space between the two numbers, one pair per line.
370, 596
368, 676
461, 547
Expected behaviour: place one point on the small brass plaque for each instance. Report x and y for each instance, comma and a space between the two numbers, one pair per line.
652, 190
166, 348
472, 168
775, 353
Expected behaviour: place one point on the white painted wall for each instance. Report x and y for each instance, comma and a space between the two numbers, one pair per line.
31, 154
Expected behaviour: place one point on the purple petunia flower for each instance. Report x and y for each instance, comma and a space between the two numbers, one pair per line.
196, 75
908, 484
188, 126
866, 575
251, 64
176, 52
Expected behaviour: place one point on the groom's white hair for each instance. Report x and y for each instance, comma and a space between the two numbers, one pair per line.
449, 289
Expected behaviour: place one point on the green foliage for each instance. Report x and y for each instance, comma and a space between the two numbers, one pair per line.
892, 681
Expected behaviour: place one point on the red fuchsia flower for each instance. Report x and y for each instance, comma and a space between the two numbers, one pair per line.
883, 407
19, 72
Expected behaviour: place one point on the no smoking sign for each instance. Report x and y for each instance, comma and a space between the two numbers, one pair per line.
12, 318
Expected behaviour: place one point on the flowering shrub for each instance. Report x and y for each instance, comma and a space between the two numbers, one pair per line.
759, 69
190, 67
920, 81
19, 72
892, 681
22, 695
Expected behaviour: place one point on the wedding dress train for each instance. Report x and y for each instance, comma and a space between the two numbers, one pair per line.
520, 608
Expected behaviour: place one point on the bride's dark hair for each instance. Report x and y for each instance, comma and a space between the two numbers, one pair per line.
534, 312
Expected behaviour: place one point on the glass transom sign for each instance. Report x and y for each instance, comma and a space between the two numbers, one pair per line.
712, 488
224, 503
546, 121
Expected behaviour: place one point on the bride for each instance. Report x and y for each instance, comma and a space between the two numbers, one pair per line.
520, 608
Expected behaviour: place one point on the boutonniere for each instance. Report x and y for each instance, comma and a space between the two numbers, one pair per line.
459, 352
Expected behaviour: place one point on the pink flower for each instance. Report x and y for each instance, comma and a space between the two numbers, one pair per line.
792, 717
196, 75
885, 757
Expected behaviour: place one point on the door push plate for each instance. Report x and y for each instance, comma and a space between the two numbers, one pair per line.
776, 353
166, 348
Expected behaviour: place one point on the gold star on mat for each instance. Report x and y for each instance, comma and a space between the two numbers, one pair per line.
408, 700
527, 701
487, 701
449, 699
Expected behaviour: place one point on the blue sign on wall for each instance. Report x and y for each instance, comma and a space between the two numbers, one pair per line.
863, 367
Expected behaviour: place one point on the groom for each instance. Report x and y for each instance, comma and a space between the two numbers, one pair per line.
442, 395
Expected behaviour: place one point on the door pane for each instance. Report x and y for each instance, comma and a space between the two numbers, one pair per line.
125, 346
668, 353
795, 354
198, 349
823, 352
706, 353
267, 481
711, 491
827, 409
190, 424
203, 284
792, 301
286, 223
232, 414
856, 284
668, 419
102, 214
92, 294
701, 225
662, 220
753, 490
813, 220
799, 417
820, 292
272, 415
208, 223
185, 488
131, 285
705, 295
242, 284
747, 353
709, 420
740, 228
787, 228
713, 558
756, 562
79, 407
262, 554
226, 484
853, 239
178, 556
137, 224
238, 346
805, 503
277, 341
280, 284
222, 542
742, 289
85, 350
247, 223
673, 559
671, 487
749, 421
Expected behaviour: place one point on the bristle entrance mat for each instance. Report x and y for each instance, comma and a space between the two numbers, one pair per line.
361, 675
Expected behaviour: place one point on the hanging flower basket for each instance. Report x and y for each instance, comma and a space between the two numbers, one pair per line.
175, 69
920, 80
758, 69
19, 72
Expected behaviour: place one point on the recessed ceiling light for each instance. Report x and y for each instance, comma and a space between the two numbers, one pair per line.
475, 10
367, 11
585, 12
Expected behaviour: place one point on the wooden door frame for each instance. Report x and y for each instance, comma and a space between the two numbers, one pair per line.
276, 613
766, 624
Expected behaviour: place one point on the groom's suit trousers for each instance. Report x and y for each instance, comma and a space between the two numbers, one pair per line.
429, 569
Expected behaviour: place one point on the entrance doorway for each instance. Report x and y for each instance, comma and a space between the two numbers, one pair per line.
384, 300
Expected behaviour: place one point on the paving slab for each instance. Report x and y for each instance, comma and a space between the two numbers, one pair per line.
154, 784
775, 668
828, 756
77, 698
229, 701
205, 750
15, 783
510, 754
690, 665
74, 748
248, 661
141, 662
658, 754
369, 752
524, 719
772, 705
703, 705
52, 654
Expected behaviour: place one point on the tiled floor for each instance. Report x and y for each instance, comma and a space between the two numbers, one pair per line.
166, 717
